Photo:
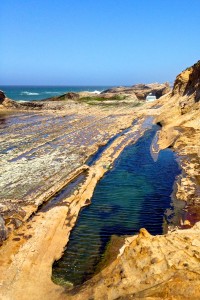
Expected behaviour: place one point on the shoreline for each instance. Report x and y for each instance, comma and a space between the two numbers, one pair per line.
64, 214
76, 201
31, 249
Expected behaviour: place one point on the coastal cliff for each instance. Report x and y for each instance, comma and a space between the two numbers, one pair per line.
187, 86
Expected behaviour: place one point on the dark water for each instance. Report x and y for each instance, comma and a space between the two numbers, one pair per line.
134, 194
29, 93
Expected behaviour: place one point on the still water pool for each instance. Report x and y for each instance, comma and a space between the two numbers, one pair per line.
134, 194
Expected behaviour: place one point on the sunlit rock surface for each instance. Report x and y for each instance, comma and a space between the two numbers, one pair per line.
147, 267
39, 150
159, 267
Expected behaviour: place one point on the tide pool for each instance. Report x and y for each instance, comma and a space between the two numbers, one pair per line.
132, 195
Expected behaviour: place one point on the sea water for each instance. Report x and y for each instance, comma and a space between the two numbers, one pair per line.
30, 93
132, 195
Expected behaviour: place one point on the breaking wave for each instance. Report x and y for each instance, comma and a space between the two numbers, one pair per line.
96, 92
29, 93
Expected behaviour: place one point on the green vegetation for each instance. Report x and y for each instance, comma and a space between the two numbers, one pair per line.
96, 98
113, 101
61, 281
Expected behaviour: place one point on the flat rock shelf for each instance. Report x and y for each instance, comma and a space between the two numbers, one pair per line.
135, 193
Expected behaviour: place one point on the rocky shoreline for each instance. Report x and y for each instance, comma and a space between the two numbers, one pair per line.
147, 267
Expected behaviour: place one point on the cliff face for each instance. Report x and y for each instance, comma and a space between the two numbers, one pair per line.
187, 86
188, 82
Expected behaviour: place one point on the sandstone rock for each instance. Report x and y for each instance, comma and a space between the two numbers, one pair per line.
188, 82
150, 266
187, 86
8, 103
141, 90
163, 267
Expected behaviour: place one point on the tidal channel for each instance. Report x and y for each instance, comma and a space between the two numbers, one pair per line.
135, 193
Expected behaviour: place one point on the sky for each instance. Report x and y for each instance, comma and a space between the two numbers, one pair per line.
97, 42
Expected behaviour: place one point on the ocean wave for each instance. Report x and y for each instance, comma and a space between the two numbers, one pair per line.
96, 92
52, 92
29, 93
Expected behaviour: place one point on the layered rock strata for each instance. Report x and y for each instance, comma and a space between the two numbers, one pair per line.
40, 150
147, 267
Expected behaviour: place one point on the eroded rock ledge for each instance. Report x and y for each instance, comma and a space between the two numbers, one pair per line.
164, 267
150, 267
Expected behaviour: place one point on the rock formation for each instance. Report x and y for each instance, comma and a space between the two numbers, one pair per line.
147, 267
187, 86
188, 82
2, 96
159, 267
164, 267
141, 90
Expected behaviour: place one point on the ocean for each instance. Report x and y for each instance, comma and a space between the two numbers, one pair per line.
30, 93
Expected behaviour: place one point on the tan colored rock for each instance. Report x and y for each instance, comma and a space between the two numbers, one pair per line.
150, 266
147, 267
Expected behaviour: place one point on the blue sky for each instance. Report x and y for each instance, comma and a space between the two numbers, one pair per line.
104, 42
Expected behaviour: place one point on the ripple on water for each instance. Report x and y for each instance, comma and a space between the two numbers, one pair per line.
134, 194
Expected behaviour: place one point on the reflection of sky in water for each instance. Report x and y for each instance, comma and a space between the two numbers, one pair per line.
134, 194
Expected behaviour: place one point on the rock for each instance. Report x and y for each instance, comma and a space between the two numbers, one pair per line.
2, 97
67, 96
72, 95
3, 230
187, 86
167, 266
150, 266
141, 91
8, 103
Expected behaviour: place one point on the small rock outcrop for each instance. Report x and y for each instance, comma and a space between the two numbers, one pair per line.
2, 97
66, 96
